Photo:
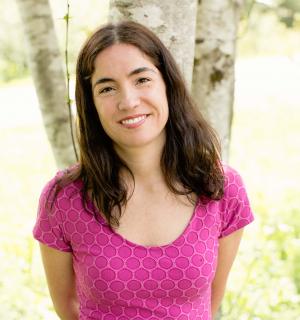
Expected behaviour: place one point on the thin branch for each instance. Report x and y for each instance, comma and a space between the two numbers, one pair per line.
67, 18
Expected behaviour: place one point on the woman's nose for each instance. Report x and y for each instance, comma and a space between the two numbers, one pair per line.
129, 99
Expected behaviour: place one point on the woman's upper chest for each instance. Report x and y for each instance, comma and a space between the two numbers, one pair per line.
155, 219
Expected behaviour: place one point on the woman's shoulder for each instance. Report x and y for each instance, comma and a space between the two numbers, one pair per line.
64, 182
229, 170
235, 192
233, 178
235, 207
59, 197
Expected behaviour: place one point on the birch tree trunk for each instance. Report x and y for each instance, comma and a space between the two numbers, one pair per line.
48, 75
174, 22
213, 77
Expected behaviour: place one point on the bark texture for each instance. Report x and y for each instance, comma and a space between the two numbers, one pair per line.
48, 75
174, 22
213, 76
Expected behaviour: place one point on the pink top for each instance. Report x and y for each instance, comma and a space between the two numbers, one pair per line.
117, 279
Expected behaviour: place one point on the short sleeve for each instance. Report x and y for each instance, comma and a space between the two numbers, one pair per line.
237, 212
48, 226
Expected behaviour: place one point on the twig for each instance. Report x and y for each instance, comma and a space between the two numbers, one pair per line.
67, 18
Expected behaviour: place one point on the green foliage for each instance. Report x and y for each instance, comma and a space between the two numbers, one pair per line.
13, 62
286, 11
26, 158
265, 279
261, 32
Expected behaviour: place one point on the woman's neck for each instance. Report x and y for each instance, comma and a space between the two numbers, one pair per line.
144, 163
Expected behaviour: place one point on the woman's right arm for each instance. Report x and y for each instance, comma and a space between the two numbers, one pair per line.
60, 276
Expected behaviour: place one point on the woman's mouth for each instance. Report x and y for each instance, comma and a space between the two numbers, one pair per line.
134, 122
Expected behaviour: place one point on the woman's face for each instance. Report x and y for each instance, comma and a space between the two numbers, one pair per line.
130, 97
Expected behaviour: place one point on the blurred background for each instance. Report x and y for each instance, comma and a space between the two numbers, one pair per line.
265, 149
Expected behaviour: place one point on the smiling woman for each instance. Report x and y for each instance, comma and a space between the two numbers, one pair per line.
148, 223
129, 94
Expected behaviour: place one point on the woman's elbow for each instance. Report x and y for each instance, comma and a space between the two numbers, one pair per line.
67, 310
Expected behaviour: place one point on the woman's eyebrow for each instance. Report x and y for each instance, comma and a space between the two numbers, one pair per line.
102, 80
140, 70
133, 72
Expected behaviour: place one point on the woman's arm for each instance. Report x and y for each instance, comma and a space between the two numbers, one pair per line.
228, 247
60, 276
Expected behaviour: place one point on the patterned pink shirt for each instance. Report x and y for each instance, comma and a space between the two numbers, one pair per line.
120, 280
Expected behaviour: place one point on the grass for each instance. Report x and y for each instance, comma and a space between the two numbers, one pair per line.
26, 163
265, 147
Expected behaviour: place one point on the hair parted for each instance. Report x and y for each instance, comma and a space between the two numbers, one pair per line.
191, 155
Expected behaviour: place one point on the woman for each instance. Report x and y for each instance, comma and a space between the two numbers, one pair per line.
148, 224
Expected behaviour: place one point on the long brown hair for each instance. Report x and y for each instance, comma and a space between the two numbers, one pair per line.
191, 155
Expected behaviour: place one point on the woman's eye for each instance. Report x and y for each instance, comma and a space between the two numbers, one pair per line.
105, 90
143, 80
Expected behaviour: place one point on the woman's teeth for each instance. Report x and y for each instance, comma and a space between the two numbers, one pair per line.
134, 120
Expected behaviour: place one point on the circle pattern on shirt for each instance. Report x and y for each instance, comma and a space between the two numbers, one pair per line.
130, 281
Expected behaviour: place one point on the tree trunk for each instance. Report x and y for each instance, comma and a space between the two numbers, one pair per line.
173, 21
49, 79
213, 77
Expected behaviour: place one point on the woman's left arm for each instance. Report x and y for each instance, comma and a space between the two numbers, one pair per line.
228, 247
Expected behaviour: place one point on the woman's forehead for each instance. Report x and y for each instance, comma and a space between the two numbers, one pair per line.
122, 58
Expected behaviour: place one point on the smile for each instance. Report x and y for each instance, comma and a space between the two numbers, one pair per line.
134, 120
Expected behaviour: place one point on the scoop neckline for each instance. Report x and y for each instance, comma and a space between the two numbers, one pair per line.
136, 245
